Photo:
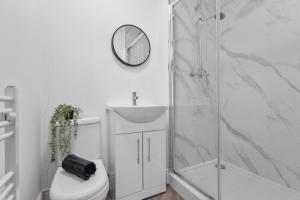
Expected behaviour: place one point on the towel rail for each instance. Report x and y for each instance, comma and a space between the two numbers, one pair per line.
7, 191
9, 183
5, 123
7, 177
5, 110
6, 98
5, 136
11, 116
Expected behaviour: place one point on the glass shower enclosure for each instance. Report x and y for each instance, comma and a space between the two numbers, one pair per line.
235, 97
194, 116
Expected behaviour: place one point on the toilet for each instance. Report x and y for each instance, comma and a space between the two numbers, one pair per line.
66, 186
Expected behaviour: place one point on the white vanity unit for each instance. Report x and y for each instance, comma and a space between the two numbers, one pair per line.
137, 140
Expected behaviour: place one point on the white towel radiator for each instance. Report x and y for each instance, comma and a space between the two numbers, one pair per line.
9, 136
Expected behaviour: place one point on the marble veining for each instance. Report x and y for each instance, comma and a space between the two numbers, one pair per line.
260, 87
195, 97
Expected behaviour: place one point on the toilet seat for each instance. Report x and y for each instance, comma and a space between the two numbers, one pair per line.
66, 186
102, 194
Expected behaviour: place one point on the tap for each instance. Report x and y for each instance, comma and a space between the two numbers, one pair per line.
134, 98
201, 72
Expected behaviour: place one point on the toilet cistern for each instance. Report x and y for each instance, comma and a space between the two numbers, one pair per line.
134, 98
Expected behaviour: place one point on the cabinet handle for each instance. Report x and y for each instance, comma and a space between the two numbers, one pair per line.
138, 151
149, 150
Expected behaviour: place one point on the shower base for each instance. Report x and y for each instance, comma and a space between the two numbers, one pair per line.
237, 183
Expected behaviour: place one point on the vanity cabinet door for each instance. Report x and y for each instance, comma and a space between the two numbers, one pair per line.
154, 150
129, 167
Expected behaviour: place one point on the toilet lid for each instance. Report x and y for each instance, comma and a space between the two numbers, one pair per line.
66, 186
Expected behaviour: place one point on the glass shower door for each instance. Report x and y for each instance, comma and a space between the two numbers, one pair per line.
195, 117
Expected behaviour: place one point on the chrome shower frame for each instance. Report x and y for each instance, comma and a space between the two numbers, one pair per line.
172, 4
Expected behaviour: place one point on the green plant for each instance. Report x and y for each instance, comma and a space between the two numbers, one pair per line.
63, 127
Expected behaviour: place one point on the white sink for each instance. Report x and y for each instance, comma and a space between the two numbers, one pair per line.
139, 113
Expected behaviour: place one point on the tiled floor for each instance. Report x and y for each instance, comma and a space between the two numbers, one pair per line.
170, 194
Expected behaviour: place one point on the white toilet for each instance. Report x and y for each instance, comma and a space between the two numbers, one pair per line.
66, 186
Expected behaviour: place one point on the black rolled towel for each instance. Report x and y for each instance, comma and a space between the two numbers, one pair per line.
79, 166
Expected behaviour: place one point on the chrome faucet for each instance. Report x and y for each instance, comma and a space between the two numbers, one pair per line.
201, 72
134, 98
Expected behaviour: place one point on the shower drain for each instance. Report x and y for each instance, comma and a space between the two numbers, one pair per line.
222, 166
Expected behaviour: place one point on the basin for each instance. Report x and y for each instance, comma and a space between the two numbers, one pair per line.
140, 113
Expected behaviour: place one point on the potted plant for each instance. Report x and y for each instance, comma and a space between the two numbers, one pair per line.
63, 127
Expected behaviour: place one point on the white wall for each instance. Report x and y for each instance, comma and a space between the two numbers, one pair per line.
59, 52
20, 65
81, 69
